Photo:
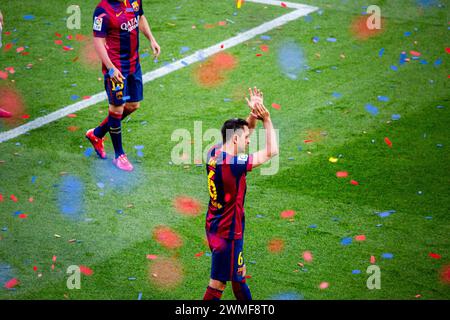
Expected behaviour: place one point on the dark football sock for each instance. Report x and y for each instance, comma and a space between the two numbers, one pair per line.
115, 131
212, 294
102, 128
241, 290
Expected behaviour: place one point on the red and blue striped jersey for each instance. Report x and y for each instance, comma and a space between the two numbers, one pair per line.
227, 187
118, 22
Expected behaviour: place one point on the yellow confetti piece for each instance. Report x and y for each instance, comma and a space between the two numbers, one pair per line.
333, 160
239, 4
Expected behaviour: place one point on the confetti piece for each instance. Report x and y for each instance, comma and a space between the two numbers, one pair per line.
395, 117
388, 142
28, 17
346, 241
58, 42
13, 198
23, 216
264, 48
151, 256
25, 116
324, 285
342, 174
67, 48
199, 254
265, 37
371, 109
287, 214
284, 5
71, 115
276, 106
394, 68
336, 95
386, 213
447, 50
356, 271
331, 39
434, 255
307, 256
354, 182
415, 53
187, 205
360, 238
372, 259
86, 271
315, 39
166, 237
332, 159
140, 296
3, 75
11, 283
381, 52
383, 98
387, 255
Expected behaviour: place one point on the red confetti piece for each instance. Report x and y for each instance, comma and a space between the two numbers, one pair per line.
284, 5
354, 182
447, 49
20, 49
167, 237
1, 197
7, 33
72, 128
264, 48
258, 54
11, 283
152, 256
58, 35
13, 198
53, 267
23, 216
360, 238
221, 46
25, 116
308, 141
69, 37
372, 259
388, 142
71, 115
25, 53
35, 268
276, 106
222, 23
86, 271
31, 199
10, 70
54, 258
434, 255
58, 42
324, 285
8, 46
307, 256
188, 206
86, 97
3, 75
67, 48
287, 214
199, 254
275, 245
342, 174
415, 53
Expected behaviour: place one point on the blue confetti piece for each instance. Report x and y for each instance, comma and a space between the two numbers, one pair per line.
101, 185
184, 63
315, 39
28, 17
17, 213
74, 97
395, 117
402, 58
140, 154
313, 226
407, 34
331, 39
33, 179
299, 148
88, 152
226, 100
208, 254
145, 55
346, 241
381, 52
119, 211
423, 61
383, 98
126, 98
438, 62
184, 49
140, 296
394, 68
387, 255
356, 271
386, 213
4, 229
139, 147
131, 278
308, 18
337, 95
264, 37
259, 216
371, 109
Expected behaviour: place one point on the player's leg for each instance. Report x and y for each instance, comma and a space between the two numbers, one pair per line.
221, 262
135, 92
214, 290
129, 108
240, 288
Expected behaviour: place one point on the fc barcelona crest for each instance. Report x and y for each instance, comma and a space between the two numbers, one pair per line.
135, 5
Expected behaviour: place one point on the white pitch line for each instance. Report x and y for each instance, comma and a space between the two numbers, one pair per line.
301, 10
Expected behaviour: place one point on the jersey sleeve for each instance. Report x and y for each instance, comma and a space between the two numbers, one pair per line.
101, 20
141, 9
242, 164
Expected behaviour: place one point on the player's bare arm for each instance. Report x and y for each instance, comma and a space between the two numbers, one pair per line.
144, 27
100, 48
271, 148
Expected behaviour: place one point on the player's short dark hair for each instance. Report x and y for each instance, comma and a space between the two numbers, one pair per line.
232, 125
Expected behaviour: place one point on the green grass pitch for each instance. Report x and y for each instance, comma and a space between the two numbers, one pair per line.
325, 104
